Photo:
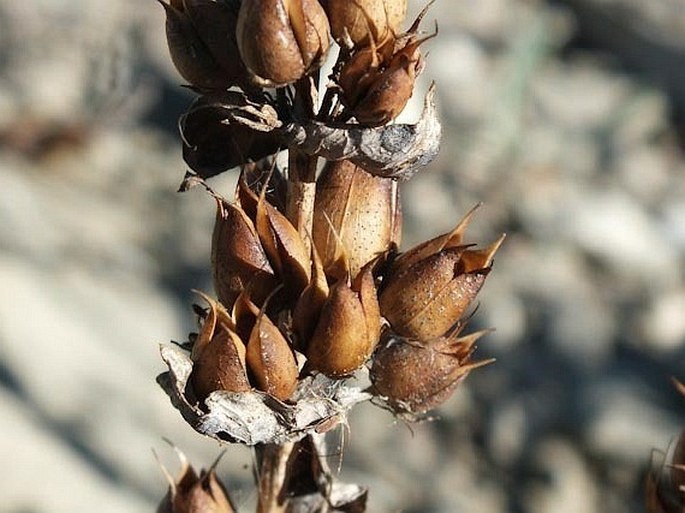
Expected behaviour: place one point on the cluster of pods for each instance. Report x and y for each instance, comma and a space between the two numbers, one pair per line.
337, 296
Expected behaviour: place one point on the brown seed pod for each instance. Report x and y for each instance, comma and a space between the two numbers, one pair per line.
280, 41
202, 43
416, 377
378, 80
310, 303
270, 359
362, 20
190, 493
284, 246
453, 239
218, 355
280, 239
238, 259
348, 328
426, 299
392, 88
355, 216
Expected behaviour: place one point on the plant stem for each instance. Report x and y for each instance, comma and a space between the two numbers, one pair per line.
272, 475
302, 167
301, 192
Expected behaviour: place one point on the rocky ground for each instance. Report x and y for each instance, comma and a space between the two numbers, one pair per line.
564, 118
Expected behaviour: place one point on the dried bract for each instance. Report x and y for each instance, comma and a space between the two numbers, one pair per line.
396, 151
284, 246
310, 303
282, 40
270, 359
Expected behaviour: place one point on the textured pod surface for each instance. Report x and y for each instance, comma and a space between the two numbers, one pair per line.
364, 20
415, 378
428, 298
354, 217
190, 493
188, 51
238, 259
220, 366
343, 339
270, 360
280, 40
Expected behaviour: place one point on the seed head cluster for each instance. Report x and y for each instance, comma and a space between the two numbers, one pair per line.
325, 291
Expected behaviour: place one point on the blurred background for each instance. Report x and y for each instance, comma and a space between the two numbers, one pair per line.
567, 119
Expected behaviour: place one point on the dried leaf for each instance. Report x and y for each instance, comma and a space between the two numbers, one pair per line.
254, 417
392, 151
222, 131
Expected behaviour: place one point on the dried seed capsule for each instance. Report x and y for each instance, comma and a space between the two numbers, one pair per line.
348, 328
218, 355
378, 80
392, 88
202, 43
238, 259
453, 239
424, 300
282, 40
270, 359
280, 239
284, 246
362, 20
310, 303
190, 493
355, 216
415, 377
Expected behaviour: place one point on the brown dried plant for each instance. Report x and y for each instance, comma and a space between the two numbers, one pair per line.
311, 287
